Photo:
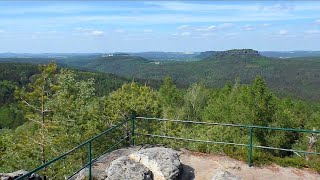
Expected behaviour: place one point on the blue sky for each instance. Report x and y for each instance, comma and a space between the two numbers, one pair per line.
132, 26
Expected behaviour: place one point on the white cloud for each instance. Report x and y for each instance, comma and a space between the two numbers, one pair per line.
42, 9
2, 31
248, 27
317, 21
277, 8
96, 33
253, 7
211, 27
216, 13
312, 31
169, 18
181, 34
89, 31
185, 34
183, 6
183, 27
283, 32
206, 29
70, 8
307, 6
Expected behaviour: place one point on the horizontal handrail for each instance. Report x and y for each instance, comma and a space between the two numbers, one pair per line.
227, 143
289, 150
233, 125
72, 150
194, 140
250, 145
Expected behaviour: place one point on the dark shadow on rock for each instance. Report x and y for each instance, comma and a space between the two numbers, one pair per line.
187, 173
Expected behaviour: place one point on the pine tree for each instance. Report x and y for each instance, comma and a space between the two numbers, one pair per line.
171, 99
35, 99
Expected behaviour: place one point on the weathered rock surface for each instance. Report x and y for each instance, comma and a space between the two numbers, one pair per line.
225, 175
125, 168
163, 162
5, 176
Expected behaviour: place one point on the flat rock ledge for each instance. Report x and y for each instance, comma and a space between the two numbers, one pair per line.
157, 163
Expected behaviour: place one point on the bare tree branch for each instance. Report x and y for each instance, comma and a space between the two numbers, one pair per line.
35, 108
34, 121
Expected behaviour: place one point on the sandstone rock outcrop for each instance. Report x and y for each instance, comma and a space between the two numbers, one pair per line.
125, 168
163, 162
156, 163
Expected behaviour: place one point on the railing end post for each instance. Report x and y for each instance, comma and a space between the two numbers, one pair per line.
89, 160
250, 148
133, 117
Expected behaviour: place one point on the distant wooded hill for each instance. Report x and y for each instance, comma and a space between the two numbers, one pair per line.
297, 77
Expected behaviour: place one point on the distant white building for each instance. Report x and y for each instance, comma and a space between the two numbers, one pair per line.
107, 55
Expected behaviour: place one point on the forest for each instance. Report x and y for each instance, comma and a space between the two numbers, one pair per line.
296, 77
46, 110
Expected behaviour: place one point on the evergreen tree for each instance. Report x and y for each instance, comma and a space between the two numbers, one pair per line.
171, 99
35, 99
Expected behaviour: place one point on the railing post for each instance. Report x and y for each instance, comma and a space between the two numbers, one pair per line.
127, 133
89, 160
132, 129
250, 148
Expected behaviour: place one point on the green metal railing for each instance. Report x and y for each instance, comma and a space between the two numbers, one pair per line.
131, 135
87, 143
249, 145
